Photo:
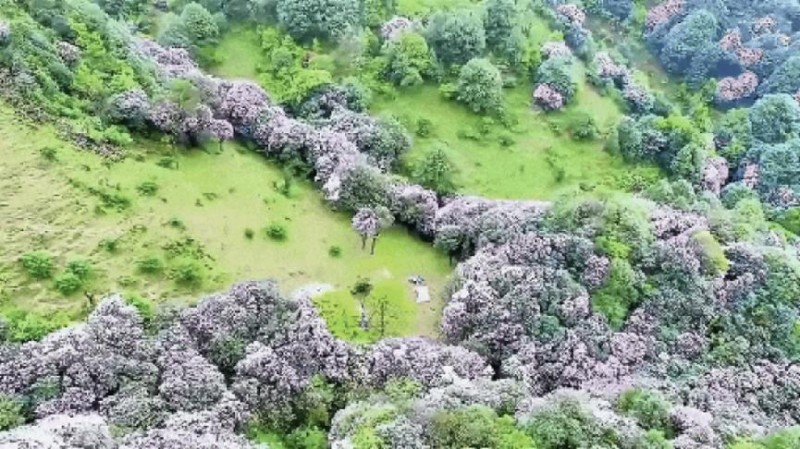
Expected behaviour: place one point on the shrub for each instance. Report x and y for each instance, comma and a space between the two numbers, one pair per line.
277, 232
147, 188
144, 306
307, 438
109, 244
618, 295
335, 251
249, 233
38, 265
49, 153
188, 273
775, 118
582, 127
150, 265
648, 407
480, 86
11, 412
68, 283
506, 140
424, 127
80, 268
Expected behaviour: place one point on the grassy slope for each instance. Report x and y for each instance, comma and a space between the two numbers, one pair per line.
214, 196
521, 170
239, 52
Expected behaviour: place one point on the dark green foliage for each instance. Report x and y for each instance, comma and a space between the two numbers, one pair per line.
408, 59
68, 283
49, 153
480, 86
38, 265
503, 35
11, 412
249, 233
775, 118
364, 187
435, 171
324, 19
307, 438
686, 40
582, 127
476, 426
456, 37
145, 307
110, 245
150, 265
619, 295
648, 407
790, 220
568, 427
188, 272
335, 251
277, 232
733, 135
198, 24
24, 325
784, 80
81, 268
424, 127
147, 188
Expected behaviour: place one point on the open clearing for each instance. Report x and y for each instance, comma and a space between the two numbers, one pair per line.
198, 215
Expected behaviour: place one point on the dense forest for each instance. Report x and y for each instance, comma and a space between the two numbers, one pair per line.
615, 184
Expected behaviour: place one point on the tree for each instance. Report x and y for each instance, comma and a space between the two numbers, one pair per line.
365, 223
557, 74
456, 37
785, 79
685, 41
775, 118
324, 19
360, 290
500, 24
198, 24
435, 171
408, 59
480, 86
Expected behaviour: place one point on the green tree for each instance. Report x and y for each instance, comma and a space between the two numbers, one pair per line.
199, 25
480, 86
435, 171
408, 59
456, 37
324, 19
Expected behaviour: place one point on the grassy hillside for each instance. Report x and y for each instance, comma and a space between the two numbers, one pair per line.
181, 230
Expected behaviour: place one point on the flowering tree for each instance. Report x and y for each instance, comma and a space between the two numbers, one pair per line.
547, 97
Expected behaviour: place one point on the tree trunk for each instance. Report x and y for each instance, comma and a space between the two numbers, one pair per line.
363, 242
374, 241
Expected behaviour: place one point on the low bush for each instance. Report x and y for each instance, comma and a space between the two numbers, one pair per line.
147, 188
249, 233
277, 232
38, 265
188, 273
150, 265
80, 268
49, 153
335, 251
68, 283
11, 412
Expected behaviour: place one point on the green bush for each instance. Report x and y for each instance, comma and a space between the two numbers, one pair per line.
249, 233
38, 265
25, 326
424, 127
307, 438
80, 268
68, 283
618, 295
147, 188
277, 232
150, 265
335, 251
144, 306
582, 127
11, 413
648, 407
109, 244
49, 153
189, 273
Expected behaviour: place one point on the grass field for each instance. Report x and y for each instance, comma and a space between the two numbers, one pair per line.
239, 53
198, 216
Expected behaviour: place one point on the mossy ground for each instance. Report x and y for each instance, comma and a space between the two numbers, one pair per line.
197, 217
